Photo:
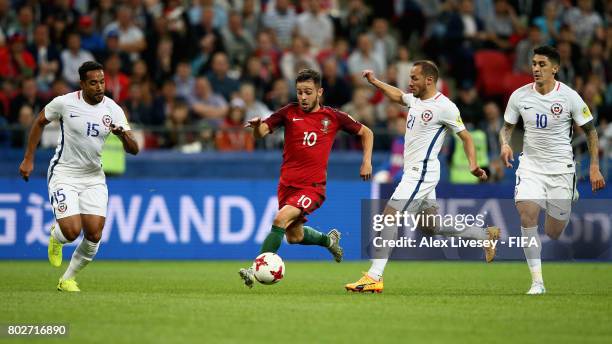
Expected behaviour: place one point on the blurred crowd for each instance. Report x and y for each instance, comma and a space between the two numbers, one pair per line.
189, 73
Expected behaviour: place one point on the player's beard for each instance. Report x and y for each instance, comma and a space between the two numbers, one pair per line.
312, 106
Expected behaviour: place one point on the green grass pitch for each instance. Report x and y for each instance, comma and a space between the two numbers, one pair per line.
205, 302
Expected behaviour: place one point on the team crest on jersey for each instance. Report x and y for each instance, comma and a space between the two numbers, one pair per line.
556, 110
426, 116
107, 120
61, 208
325, 123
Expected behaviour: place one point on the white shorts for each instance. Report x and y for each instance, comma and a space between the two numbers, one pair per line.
553, 192
78, 195
414, 195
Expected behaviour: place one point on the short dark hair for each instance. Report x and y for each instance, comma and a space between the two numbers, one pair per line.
88, 67
309, 74
548, 51
428, 68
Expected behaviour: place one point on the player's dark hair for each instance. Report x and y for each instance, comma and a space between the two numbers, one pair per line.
428, 68
309, 74
548, 51
88, 67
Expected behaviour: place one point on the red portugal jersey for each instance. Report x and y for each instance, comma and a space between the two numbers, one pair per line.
308, 141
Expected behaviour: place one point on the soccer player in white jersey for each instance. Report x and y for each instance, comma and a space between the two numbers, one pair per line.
546, 174
76, 182
431, 115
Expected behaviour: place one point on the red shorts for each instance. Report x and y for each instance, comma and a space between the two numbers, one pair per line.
307, 199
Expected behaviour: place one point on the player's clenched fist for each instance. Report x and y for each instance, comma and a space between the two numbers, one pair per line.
365, 171
117, 130
368, 74
480, 173
25, 169
507, 155
253, 123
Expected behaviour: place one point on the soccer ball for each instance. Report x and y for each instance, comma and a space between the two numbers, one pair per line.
269, 268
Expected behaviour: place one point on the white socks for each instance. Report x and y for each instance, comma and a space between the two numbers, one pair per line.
533, 254
377, 268
468, 233
83, 254
57, 234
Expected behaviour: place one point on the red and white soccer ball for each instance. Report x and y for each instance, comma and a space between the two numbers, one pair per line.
269, 268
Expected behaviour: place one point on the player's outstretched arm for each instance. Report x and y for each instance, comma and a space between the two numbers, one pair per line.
27, 165
367, 142
260, 129
597, 179
393, 93
506, 154
127, 139
470, 153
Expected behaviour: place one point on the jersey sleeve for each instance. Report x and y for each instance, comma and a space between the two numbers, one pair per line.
579, 110
55, 109
277, 119
512, 109
348, 123
451, 118
407, 98
119, 118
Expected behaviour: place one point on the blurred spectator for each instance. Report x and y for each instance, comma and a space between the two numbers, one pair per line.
502, 24
384, 44
297, 58
595, 62
238, 42
584, 21
103, 14
566, 34
316, 26
140, 72
411, 18
281, 19
231, 135
363, 58
179, 129
251, 17
117, 83
46, 56
549, 23
360, 107
254, 73
164, 103
64, 9
492, 125
112, 48
465, 33
27, 96
7, 15
163, 68
337, 91
131, 37
205, 103
138, 104
72, 58
268, 53
355, 20
253, 107
184, 80
393, 170
404, 65
469, 103
567, 71
219, 77
15, 61
90, 38
280, 94
25, 117
24, 24
208, 45
524, 50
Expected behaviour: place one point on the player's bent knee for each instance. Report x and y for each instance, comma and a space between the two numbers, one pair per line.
71, 233
94, 237
294, 240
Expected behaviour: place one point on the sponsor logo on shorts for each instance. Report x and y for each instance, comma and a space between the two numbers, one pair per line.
61, 207
107, 120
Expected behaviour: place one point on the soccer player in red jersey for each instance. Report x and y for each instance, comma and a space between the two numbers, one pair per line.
310, 130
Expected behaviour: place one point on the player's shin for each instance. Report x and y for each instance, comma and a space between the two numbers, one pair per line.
314, 237
82, 256
273, 240
533, 253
